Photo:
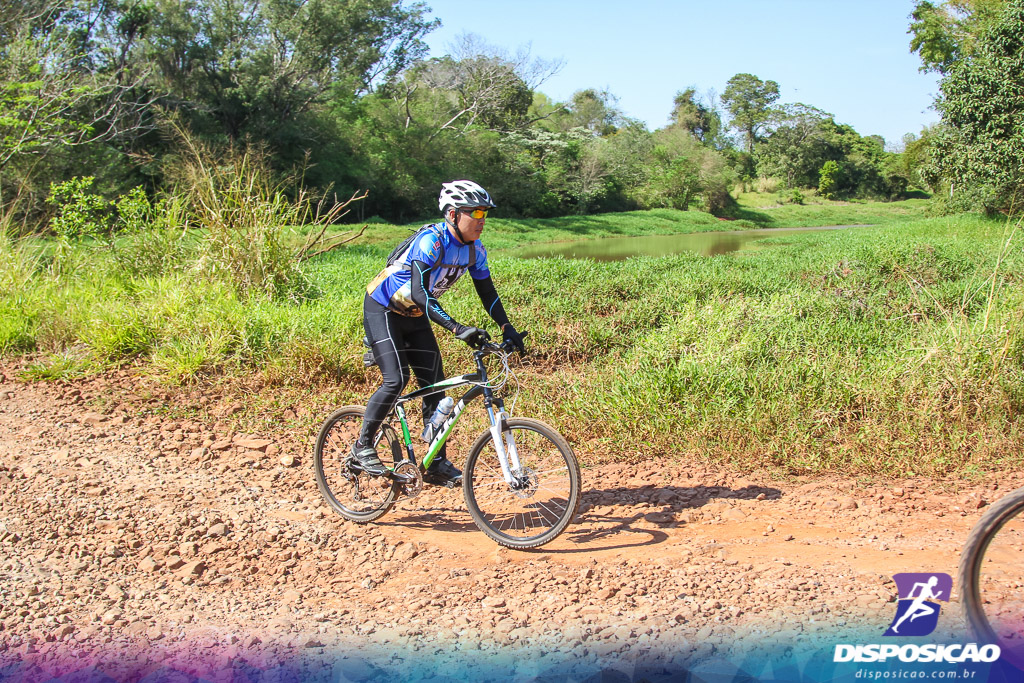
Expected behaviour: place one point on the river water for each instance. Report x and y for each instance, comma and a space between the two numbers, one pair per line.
704, 243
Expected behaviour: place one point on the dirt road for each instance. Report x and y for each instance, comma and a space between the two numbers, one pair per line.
144, 533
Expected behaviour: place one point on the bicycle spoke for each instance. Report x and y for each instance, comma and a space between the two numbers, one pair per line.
540, 503
557, 469
547, 509
352, 493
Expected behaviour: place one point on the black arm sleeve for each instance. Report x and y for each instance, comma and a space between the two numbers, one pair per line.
491, 301
421, 297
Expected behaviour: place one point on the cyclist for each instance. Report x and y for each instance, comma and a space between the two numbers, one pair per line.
401, 302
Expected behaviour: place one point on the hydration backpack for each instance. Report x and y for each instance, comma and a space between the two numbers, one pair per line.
397, 252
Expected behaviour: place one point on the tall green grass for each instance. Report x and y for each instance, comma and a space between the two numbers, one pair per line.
894, 349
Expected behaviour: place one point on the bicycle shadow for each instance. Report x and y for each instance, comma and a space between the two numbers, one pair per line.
605, 521
663, 506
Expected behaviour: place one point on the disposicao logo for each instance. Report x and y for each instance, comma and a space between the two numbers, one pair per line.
947, 654
917, 612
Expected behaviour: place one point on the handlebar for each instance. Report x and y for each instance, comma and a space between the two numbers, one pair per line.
491, 348
504, 348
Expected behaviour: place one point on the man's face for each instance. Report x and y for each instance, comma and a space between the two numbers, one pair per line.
470, 227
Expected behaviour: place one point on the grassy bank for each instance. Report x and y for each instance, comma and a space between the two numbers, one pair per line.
753, 211
894, 349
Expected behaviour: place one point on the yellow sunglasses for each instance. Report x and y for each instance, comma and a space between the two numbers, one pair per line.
476, 213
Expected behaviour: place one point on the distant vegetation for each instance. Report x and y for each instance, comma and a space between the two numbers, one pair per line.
339, 97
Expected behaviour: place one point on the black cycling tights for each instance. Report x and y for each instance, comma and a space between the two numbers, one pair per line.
399, 342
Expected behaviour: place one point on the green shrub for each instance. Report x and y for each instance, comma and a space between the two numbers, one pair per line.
16, 328
153, 239
80, 213
185, 358
827, 179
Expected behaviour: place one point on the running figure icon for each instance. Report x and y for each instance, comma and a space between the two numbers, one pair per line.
918, 600
918, 608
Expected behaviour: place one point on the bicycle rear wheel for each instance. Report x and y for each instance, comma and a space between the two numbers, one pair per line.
541, 502
992, 577
353, 494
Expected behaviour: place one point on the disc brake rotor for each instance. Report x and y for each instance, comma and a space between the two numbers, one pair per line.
526, 483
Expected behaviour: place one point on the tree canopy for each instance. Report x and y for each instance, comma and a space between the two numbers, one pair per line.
343, 91
945, 33
749, 101
979, 150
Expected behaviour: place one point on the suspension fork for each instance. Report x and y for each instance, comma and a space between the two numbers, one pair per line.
508, 457
501, 434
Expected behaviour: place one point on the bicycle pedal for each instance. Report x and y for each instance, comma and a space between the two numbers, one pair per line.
443, 484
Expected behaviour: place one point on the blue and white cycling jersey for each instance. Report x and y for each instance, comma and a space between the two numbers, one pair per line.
448, 259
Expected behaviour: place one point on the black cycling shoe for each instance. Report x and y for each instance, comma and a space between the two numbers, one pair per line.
366, 459
443, 473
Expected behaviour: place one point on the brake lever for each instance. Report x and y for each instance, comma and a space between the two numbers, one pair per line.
510, 347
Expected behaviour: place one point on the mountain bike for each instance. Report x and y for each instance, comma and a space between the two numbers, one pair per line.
992, 577
521, 480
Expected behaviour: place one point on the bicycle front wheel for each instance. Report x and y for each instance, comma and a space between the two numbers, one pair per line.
543, 497
353, 494
992, 577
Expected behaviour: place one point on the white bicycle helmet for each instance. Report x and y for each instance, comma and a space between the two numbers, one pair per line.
462, 194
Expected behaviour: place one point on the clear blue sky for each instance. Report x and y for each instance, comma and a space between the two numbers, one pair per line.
851, 59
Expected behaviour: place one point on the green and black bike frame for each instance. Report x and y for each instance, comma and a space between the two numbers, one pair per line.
500, 432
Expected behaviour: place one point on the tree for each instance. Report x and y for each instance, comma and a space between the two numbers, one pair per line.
805, 140
588, 181
827, 179
66, 99
749, 101
478, 84
798, 146
595, 111
680, 170
980, 148
250, 67
915, 156
57, 90
700, 119
627, 152
946, 33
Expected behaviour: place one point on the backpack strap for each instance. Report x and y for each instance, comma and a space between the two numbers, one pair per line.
440, 258
408, 242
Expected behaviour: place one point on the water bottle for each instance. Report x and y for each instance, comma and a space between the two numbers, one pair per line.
444, 409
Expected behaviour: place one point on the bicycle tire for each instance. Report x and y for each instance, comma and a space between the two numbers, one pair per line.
547, 503
356, 496
978, 610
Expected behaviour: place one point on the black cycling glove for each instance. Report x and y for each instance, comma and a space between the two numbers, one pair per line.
510, 334
474, 336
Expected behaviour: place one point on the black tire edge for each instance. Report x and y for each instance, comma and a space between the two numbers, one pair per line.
575, 479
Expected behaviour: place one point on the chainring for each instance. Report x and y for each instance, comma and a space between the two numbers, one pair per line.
410, 471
